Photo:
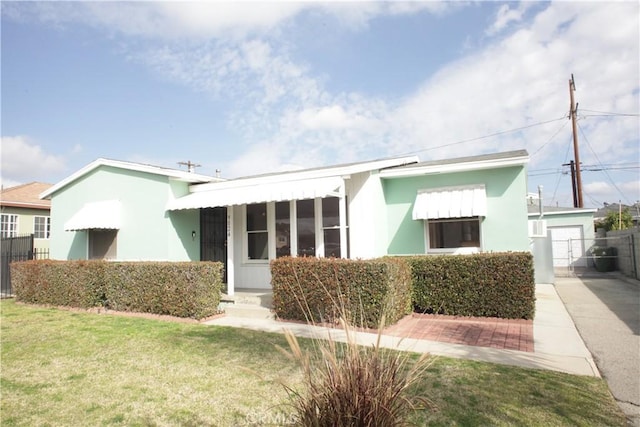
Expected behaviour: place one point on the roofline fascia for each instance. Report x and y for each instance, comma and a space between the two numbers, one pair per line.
341, 171
549, 213
179, 175
454, 167
27, 205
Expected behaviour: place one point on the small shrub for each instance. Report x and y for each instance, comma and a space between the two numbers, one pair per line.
66, 283
483, 285
183, 289
325, 289
345, 384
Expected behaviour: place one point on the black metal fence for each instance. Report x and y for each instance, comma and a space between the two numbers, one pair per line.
12, 249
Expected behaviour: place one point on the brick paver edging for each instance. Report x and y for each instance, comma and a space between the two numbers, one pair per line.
511, 334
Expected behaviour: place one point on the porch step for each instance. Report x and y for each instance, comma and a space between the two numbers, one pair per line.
247, 311
258, 297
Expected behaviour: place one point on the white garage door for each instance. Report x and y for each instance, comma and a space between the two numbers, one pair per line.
568, 246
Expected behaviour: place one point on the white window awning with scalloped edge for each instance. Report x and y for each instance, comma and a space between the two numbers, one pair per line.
96, 215
258, 193
451, 202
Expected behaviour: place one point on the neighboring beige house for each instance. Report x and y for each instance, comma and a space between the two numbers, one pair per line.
23, 212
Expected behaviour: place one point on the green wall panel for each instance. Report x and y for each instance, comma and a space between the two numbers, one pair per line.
503, 229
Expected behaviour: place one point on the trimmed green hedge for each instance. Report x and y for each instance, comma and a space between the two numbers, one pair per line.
484, 285
324, 289
67, 283
183, 289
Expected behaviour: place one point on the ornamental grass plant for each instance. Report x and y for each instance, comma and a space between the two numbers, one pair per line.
349, 384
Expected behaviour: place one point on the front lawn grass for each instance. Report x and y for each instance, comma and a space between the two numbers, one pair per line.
68, 368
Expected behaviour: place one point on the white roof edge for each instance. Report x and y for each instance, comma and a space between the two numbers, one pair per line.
171, 173
408, 171
577, 210
306, 174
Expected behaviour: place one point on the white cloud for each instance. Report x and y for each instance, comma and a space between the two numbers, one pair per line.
517, 81
506, 15
288, 118
228, 20
164, 20
24, 161
628, 191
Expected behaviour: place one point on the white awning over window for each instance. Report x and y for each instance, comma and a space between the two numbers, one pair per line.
258, 193
96, 215
451, 202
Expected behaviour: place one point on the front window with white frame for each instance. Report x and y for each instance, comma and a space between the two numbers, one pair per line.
309, 227
257, 233
8, 225
41, 227
453, 234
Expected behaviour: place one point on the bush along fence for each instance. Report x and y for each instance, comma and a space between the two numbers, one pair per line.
484, 285
183, 289
321, 290
13, 249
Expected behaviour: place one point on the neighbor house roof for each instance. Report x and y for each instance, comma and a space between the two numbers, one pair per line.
25, 196
460, 164
139, 167
602, 213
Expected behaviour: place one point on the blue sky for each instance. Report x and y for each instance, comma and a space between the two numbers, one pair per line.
250, 88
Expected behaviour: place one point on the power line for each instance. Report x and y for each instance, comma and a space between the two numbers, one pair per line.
566, 156
609, 113
600, 163
542, 172
488, 136
550, 139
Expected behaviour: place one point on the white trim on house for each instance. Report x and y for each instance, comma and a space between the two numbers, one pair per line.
564, 212
139, 167
96, 215
465, 164
342, 171
451, 202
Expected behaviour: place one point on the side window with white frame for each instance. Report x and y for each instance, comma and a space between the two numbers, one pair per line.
453, 234
41, 227
8, 225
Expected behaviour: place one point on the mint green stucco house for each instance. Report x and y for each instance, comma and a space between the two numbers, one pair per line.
398, 206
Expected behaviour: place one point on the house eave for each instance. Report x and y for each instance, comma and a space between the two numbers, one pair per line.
26, 205
138, 167
344, 171
569, 211
418, 170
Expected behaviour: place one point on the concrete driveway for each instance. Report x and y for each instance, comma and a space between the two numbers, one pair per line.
606, 311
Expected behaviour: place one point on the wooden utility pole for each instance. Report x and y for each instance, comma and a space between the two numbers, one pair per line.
572, 164
573, 112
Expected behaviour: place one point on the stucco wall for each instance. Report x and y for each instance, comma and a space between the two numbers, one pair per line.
503, 229
367, 216
148, 231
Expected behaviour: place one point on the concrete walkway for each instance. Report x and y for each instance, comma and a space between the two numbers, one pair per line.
557, 344
606, 311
